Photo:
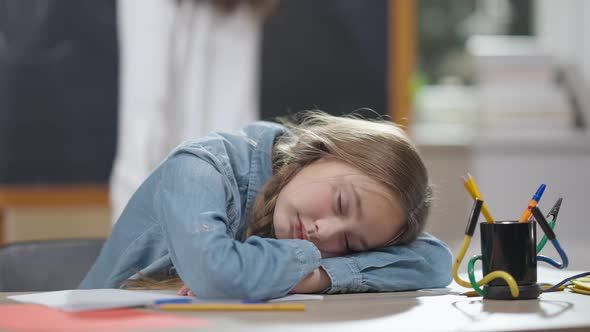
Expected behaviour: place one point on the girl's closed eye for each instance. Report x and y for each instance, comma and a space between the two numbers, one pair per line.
342, 203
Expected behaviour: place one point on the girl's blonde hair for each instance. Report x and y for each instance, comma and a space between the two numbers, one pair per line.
378, 148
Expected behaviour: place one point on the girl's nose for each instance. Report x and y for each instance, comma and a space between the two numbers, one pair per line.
323, 229
312, 230
327, 234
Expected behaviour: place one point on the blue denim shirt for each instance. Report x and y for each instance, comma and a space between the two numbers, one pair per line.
191, 214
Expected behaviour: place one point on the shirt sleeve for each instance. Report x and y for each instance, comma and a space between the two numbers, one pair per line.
424, 263
191, 200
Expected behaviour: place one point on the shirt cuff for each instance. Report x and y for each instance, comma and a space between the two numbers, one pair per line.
345, 275
307, 255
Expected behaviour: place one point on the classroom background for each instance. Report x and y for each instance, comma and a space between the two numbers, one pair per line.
496, 88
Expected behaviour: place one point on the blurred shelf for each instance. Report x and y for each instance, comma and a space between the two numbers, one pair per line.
46, 195
509, 139
14, 197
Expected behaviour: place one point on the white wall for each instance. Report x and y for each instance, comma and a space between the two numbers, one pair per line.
563, 28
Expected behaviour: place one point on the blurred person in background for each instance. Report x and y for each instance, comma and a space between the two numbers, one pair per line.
186, 67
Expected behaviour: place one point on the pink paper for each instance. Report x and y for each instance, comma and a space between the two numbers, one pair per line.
36, 318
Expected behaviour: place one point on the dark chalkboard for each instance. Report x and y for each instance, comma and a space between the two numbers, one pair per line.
58, 90
329, 54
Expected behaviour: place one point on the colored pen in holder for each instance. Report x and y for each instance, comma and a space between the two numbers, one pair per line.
509, 250
510, 246
509, 255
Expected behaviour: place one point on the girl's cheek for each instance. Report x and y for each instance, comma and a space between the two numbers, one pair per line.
317, 205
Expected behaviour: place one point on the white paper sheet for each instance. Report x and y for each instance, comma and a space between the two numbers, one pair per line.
89, 299
298, 297
86, 299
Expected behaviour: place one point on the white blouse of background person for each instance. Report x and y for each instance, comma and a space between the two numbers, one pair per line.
186, 68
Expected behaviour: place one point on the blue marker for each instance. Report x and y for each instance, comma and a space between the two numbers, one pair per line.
539, 193
253, 301
173, 301
533, 202
190, 300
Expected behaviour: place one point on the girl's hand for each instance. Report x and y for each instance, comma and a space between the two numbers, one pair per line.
315, 282
184, 291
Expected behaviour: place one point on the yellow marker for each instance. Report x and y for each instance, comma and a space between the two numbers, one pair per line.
472, 189
232, 307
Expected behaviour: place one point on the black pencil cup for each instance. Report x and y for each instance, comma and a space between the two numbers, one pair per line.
510, 246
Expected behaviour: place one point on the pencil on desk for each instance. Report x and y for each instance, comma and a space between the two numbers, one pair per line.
232, 307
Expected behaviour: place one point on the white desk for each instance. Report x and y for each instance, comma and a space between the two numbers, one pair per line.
415, 311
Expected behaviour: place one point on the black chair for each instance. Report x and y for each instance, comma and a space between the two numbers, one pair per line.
46, 265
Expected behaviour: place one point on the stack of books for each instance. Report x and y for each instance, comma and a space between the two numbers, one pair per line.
517, 84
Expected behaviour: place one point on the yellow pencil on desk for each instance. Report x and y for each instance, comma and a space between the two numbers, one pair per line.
232, 307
